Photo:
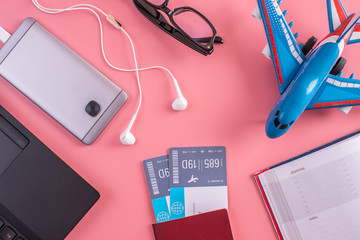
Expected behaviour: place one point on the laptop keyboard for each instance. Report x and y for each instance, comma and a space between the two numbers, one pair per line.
8, 232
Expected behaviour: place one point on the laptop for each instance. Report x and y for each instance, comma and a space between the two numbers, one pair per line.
41, 198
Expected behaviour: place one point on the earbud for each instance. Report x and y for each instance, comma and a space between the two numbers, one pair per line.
179, 104
127, 138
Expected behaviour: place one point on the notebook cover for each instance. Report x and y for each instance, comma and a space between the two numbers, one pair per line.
263, 195
213, 225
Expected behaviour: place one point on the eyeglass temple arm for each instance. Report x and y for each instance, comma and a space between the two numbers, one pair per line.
218, 39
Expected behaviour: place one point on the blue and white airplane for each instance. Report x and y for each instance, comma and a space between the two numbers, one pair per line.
309, 76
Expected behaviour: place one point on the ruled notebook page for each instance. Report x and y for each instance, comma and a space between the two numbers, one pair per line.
317, 197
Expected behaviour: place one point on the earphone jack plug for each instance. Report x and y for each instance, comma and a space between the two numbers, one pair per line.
113, 21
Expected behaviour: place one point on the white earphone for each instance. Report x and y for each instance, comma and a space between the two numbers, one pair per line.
179, 104
126, 137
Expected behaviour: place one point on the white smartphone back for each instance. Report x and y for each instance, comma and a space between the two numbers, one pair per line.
59, 81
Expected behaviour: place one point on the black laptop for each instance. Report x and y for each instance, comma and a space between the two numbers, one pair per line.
40, 196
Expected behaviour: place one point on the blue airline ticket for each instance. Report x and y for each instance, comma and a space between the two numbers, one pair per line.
198, 180
158, 176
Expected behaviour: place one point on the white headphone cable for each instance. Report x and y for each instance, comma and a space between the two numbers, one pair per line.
179, 104
84, 7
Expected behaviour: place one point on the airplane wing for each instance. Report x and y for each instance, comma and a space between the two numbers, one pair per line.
337, 92
285, 52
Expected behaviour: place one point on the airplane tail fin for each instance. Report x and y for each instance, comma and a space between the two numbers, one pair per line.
352, 26
355, 35
336, 14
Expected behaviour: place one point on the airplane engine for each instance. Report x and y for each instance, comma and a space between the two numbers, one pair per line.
344, 110
256, 13
266, 51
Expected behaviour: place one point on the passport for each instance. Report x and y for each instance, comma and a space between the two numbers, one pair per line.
213, 225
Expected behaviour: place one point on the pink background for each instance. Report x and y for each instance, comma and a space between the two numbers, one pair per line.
230, 95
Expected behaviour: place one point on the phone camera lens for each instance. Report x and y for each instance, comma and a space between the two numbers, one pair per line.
92, 108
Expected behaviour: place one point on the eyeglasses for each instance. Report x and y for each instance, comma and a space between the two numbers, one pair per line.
189, 26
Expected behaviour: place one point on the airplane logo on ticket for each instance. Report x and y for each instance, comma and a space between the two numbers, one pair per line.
192, 179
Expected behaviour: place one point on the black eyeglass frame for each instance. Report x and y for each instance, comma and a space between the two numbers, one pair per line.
176, 31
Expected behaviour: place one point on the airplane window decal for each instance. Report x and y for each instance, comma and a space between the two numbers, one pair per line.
291, 44
342, 84
276, 122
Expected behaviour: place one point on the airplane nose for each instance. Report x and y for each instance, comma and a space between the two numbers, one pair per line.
271, 130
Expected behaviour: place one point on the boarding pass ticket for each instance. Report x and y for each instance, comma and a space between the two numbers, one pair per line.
198, 180
157, 175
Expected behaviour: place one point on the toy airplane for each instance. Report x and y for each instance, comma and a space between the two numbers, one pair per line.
308, 77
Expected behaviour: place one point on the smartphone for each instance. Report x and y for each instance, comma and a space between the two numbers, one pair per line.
59, 81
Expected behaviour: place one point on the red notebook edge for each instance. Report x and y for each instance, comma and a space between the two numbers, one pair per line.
266, 202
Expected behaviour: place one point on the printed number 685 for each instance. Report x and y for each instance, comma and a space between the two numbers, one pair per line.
212, 163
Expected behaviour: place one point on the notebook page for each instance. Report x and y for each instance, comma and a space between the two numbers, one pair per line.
317, 197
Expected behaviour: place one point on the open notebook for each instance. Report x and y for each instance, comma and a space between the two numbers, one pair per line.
316, 196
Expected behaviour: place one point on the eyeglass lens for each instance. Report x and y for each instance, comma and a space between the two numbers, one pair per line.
156, 2
194, 25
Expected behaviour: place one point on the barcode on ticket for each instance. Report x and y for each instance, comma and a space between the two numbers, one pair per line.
175, 166
153, 181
